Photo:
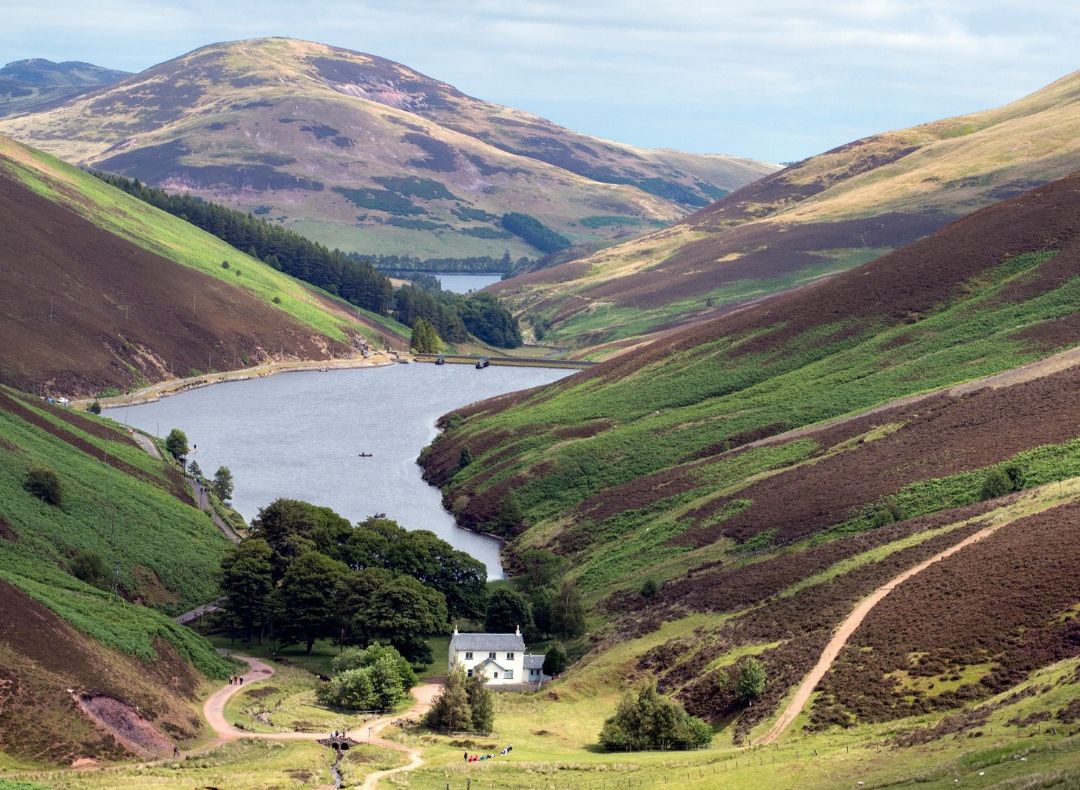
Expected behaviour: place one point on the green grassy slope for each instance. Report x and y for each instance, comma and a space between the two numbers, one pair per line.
172, 238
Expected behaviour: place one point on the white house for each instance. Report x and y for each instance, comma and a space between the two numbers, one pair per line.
499, 658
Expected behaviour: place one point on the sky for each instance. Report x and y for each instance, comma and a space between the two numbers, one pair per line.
777, 80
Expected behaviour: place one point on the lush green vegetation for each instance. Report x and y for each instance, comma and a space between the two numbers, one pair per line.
464, 705
646, 721
375, 678
456, 316
534, 232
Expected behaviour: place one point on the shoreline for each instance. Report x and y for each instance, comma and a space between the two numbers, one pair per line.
164, 389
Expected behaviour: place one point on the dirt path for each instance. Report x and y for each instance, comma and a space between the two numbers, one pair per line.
368, 732
848, 627
147, 444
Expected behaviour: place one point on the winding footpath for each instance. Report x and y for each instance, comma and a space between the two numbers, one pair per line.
848, 627
368, 732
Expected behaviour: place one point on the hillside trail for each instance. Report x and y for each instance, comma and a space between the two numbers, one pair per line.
848, 627
1040, 368
368, 732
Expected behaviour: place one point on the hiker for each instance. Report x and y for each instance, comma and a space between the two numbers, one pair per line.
466, 756
176, 752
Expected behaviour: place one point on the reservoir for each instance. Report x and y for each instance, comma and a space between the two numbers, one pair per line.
463, 283
300, 435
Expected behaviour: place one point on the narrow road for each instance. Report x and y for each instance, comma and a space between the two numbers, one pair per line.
849, 626
146, 443
368, 732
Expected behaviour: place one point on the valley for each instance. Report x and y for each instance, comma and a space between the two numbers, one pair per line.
356, 432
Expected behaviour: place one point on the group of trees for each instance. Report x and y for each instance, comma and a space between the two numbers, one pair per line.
650, 721
176, 444
534, 232
424, 340
465, 705
375, 678
354, 280
306, 573
400, 264
350, 276
540, 601
454, 316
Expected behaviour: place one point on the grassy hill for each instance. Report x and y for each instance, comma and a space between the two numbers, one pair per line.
37, 84
65, 642
103, 291
773, 467
277, 126
825, 214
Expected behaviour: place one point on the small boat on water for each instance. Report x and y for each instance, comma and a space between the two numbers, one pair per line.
482, 363
367, 455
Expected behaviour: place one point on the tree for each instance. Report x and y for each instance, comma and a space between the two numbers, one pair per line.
402, 612
292, 528
43, 483
176, 444
751, 682
539, 568
506, 611
555, 660
424, 340
567, 612
388, 685
465, 458
649, 721
95, 407
352, 690
194, 470
247, 582
223, 483
482, 703
451, 710
307, 600
90, 567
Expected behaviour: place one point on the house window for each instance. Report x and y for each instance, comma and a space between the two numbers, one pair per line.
509, 674
496, 675
533, 672
491, 656
469, 673
468, 656
509, 656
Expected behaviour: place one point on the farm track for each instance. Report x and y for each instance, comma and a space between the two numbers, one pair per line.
850, 625
368, 732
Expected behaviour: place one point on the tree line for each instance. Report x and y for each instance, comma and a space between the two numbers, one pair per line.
305, 573
455, 316
354, 280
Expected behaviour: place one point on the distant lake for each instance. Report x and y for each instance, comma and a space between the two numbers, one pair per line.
463, 283
299, 435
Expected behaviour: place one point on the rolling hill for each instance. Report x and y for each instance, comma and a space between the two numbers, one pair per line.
772, 468
72, 651
820, 216
102, 291
368, 155
38, 84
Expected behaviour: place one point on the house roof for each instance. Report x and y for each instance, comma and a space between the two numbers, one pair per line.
487, 642
534, 662
491, 662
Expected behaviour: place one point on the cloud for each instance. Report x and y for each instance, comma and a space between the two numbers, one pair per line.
778, 79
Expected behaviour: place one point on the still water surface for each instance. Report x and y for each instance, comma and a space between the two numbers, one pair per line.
299, 435
463, 283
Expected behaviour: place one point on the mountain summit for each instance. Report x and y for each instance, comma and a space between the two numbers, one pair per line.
369, 155
36, 84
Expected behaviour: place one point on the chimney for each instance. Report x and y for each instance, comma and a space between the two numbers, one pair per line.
455, 629
517, 630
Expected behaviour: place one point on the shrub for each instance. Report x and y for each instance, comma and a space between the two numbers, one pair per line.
751, 683
44, 484
555, 660
351, 690
90, 567
355, 658
997, 483
95, 407
648, 721
649, 588
465, 458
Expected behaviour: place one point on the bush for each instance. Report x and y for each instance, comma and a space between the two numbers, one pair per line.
44, 484
751, 683
355, 658
648, 721
997, 483
649, 588
555, 660
95, 407
351, 690
90, 567
465, 458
